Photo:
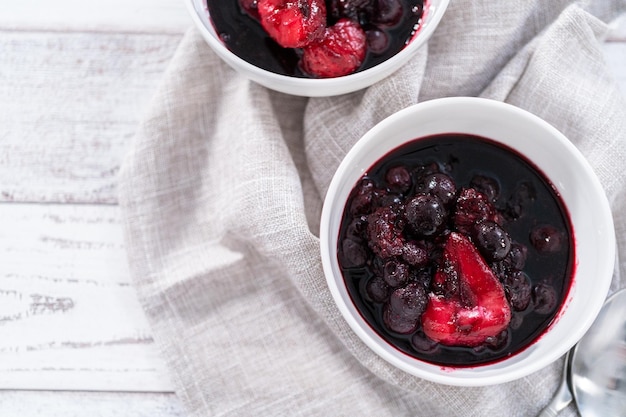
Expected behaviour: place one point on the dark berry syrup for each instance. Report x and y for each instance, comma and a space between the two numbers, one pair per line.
536, 272
236, 23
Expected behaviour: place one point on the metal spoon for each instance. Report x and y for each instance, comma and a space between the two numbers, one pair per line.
595, 369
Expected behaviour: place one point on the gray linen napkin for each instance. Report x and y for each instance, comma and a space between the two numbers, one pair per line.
222, 190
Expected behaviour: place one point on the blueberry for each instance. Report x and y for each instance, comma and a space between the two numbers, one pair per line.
406, 304
383, 198
518, 290
410, 301
354, 254
487, 185
516, 259
388, 12
544, 298
425, 213
492, 240
361, 198
498, 341
377, 41
523, 196
421, 343
356, 229
440, 185
352, 9
398, 178
396, 322
377, 289
422, 171
547, 239
395, 273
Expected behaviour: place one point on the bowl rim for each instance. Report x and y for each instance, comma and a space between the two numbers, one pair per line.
481, 375
319, 87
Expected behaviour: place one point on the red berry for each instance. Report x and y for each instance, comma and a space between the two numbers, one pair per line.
340, 51
385, 233
293, 23
473, 207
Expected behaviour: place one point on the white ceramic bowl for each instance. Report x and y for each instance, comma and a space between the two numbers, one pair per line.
316, 87
556, 157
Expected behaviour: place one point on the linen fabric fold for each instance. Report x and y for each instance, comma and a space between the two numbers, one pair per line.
222, 188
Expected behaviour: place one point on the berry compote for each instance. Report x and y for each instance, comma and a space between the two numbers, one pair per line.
456, 250
384, 27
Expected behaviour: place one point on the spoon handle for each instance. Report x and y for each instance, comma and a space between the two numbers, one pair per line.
563, 396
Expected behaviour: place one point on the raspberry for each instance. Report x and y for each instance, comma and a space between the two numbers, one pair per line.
473, 207
293, 23
384, 230
415, 254
340, 51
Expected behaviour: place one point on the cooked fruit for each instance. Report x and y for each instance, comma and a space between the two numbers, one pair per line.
293, 23
439, 185
486, 270
384, 231
470, 305
426, 214
547, 238
405, 306
473, 207
492, 240
340, 51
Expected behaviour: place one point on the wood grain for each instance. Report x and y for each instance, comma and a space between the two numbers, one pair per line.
69, 107
134, 16
75, 78
88, 404
69, 317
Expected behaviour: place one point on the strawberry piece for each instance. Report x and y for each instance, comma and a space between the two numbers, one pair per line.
339, 52
293, 23
470, 305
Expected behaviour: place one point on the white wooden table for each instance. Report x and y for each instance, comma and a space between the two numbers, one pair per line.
75, 77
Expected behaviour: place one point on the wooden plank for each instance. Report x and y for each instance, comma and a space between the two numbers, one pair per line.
69, 107
69, 317
147, 16
87, 404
